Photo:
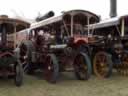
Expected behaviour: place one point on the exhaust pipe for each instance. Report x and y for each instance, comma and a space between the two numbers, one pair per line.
113, 8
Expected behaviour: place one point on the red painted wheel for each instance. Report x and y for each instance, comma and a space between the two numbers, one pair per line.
102, 64
51, 68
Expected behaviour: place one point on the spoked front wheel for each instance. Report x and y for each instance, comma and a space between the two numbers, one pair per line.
51, 68
123, 67
82, 66
18, 74
102, 64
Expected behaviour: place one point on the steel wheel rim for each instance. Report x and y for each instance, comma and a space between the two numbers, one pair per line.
49, 69
123, 68
23, 53
80, 66
23, 49
18, 73
100, 65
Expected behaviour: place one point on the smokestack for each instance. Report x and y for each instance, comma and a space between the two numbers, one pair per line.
113, 8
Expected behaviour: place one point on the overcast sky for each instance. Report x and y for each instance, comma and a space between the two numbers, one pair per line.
31, 8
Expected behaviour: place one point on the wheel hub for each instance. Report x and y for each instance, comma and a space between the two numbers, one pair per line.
49, 68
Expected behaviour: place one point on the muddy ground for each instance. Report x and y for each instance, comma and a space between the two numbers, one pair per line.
67, 86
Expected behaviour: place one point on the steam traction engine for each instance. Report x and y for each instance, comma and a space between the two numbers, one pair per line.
60, 44
9, 62
111, 49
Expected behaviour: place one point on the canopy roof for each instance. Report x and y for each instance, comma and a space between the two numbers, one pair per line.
59, 18
108, 22
12, 23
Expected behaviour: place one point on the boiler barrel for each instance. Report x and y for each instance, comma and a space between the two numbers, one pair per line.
47, 15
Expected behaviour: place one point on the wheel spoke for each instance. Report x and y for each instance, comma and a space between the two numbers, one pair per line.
123, 68
51, 69
101, 64
81, 67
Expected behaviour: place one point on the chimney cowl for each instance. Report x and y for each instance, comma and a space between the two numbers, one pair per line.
113, 8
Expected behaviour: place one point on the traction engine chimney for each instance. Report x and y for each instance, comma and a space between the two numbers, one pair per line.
113, 8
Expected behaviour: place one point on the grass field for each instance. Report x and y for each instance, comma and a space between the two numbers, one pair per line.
66, 86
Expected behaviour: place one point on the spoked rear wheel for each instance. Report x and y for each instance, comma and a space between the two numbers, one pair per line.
123, 68
51, 68
102, 64
82, 66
